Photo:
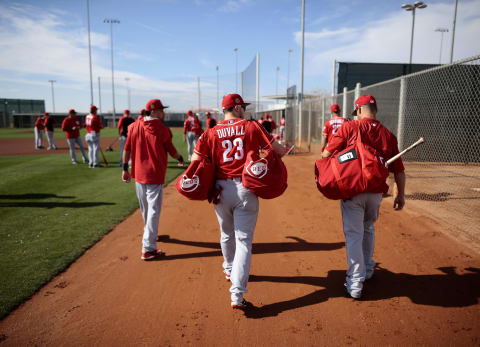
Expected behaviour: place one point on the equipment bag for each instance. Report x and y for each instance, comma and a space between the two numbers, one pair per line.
355, 170
197, 180
266, 177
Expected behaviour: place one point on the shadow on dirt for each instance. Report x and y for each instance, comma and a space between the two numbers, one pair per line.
32, 196
448, 289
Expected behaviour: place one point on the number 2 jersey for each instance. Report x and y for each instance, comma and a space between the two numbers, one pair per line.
332, 125
228, 142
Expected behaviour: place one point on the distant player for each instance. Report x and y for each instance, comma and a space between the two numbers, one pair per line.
237, 207
122, 126
191, 128
93, 124
71, 126
210, 121
39, 129
148, 142
282, 128
331, 126
49, 123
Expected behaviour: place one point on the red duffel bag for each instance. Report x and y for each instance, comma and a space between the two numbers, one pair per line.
267, 176
355, 170
197, 180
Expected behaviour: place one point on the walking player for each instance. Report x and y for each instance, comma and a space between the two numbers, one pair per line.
360, 212
123, 124
93, 124
148, 141
331, 126
190, 132
237, 208
71, 126
49, 123
38, 129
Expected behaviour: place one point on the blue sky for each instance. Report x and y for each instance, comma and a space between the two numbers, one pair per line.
162, 46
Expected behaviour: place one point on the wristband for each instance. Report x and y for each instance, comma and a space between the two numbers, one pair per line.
180, 159
125, 166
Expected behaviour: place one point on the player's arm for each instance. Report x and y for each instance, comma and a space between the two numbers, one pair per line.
324, 141
400, 180
172, 150
125, 174
120, 126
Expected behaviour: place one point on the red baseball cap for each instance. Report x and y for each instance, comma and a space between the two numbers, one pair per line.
127, 112
46, 114
208, 114
366, 99
142, 111
154, 104
72, 111
189, 113
93, 108
335, 108
232, 100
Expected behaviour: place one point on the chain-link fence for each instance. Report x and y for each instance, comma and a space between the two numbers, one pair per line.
442, 105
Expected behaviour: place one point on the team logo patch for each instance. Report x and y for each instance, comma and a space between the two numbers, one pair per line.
347, 156
189, 184
257, 169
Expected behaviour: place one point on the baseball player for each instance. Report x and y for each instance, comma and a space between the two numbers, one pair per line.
282, 128
93, 124
237, 208
38, 130
49, 123
331, 126
360, 212
273, 125
190, 132
148, 141
71, 126
210, 121
122, 126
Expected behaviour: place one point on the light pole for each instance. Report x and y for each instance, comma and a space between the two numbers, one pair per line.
90, 55
276, 80
408, 7
53, 94
453, 30
99, 96
288, 68
111, 22
218, 105
236, 69
441, 30
128, 92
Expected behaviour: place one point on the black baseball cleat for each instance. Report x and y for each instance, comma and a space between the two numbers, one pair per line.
244, 305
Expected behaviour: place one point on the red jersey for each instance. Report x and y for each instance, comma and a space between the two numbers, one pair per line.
331, 126
39, 123
93, 123
191, 124
49, 122
227, 143
149, 140
282, 122
273, 124
68, 126
375, 135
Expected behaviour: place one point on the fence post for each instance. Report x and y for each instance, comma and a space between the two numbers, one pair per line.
323, 112
357, 94
401, 111
344, 106
309, 124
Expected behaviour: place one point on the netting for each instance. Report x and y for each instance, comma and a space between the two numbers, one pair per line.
249, 85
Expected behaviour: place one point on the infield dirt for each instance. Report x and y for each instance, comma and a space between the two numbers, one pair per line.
425, 290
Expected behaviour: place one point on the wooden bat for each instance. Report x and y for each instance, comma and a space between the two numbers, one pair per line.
103, 156
392, 159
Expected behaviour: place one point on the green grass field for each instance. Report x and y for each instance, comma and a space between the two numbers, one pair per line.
52, 211
27, 133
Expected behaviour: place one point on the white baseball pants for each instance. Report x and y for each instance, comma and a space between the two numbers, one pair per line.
237, 215
38, 137
359, 215
191, 143
93, 143
51, 142
150, 198
71, 144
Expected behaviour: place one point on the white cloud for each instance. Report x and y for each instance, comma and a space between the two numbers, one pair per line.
233, 5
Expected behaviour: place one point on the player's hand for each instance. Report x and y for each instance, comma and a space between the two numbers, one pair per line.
126, 176
73, 128
214, 195
399, 202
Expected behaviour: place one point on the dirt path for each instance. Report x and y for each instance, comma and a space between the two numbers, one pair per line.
425, 291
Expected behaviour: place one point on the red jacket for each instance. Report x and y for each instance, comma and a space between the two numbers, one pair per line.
71, 126
39, 124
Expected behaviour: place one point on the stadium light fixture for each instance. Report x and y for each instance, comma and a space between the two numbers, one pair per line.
112, 21
442, 31
53, 94
409, 7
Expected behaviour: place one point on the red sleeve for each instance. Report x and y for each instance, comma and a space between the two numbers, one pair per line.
274, 125
120, 123
203, 147
185, 126
326, 128
64, 125
338, 141
128, 142
169, 145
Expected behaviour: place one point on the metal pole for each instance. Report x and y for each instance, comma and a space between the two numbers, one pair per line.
411, 40
344, 108
236, 69
441, 44
90, 55
53, 95
128, 92
300, 95
309, 124
334, 77
218, 104
257, 101
288, 68
453, 31
276, 81
112, 21
99, 96
357, 94
198, 86
401, 111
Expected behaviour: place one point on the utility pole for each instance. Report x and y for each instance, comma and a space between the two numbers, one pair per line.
53, 95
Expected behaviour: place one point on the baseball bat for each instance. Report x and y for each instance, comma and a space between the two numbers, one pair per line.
109, 148
103, 156
392, 159
290, 150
